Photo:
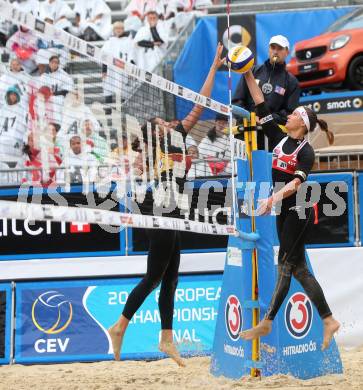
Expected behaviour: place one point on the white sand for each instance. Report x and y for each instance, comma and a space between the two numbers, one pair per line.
165, 375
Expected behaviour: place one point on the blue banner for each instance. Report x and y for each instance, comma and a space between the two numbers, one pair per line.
68, 321
5, 322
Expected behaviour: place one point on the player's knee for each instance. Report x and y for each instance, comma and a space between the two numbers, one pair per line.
301, 272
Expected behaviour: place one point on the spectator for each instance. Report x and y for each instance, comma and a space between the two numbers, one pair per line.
74, 113
197, 166
24, 45
15, 76
12, 127
82, 165
120, 45
28, 6
215, 147
60, 84
56, 12
166, 9
35, 159
151, 41
192, 5
93, 20
280, 88
42, 61
96, 144
5, 29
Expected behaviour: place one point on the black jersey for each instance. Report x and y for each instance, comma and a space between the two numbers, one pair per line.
292, 157
166, 154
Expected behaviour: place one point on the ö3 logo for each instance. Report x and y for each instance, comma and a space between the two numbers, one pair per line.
51, 312
298, 315
233, 317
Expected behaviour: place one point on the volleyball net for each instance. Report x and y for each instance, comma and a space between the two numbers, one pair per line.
78, 114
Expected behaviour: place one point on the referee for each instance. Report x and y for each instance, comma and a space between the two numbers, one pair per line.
279, 87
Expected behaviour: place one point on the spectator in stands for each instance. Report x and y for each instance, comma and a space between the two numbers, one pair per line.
151, 42
74, 112
215, 147
60, 84
42, 62
24, 46
166, 9
120, 45
14, 76
28, 6
96, 145
56, 12
93, 20
197, 167
82, 165
280, 88
192, 5
33, 159
12, 127
5, 29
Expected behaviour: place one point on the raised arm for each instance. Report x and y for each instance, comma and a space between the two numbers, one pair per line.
255, 90
192, 118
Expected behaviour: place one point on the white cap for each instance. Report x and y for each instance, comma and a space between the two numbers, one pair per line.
280, 40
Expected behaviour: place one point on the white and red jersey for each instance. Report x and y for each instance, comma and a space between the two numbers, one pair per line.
286, 162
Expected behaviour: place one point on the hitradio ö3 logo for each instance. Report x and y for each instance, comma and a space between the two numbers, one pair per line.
233, 317
298, 315
51, 312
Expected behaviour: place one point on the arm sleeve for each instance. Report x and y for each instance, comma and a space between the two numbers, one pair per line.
305, 164
269, 126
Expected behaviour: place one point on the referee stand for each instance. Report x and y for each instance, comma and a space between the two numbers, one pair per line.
250, 274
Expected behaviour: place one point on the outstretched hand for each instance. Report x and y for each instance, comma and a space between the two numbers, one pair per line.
218, 61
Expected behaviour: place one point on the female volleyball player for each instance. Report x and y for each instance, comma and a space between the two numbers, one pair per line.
292, 160
164, 247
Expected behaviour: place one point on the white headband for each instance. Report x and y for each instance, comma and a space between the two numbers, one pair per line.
304, 116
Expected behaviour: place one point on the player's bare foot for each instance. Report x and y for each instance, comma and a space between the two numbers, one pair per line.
116, 339
331, 326
170, 349
262, 329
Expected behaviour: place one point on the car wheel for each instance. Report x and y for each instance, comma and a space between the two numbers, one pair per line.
355, 73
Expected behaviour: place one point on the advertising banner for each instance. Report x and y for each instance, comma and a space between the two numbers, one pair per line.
335, 103
68, 321
5, 322
31, 239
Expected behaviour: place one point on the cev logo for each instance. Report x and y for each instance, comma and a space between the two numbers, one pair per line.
51, 313
233, 317
298, 315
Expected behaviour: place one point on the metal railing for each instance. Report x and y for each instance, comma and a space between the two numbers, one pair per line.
338, 160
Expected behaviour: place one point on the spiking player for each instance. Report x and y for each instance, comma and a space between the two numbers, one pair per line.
293, 158
164, 248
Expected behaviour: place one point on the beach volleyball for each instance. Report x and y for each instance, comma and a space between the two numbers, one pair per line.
240, 59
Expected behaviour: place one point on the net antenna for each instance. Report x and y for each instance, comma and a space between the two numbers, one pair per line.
129, 136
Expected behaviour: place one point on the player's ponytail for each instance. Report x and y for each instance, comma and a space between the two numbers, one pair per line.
320, 124
324, 127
